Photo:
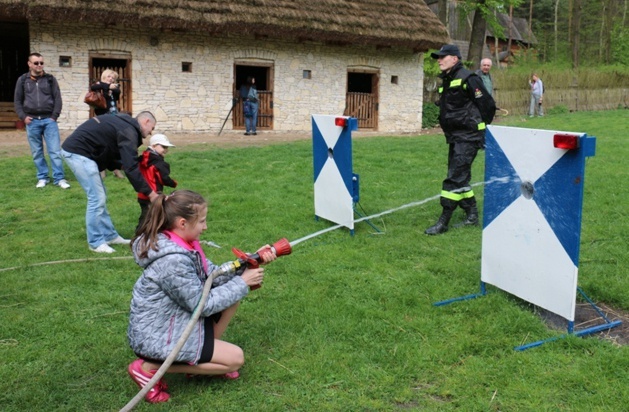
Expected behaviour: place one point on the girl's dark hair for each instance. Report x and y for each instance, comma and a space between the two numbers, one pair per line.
162, 214
250, 81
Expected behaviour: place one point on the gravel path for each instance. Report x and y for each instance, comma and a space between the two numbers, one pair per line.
13, 142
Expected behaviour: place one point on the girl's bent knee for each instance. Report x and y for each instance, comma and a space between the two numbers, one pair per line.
239, 359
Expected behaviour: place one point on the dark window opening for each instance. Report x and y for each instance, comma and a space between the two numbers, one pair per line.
65, 61
359, 82
257, 72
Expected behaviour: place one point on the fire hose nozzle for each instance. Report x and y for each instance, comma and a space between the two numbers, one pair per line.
252, 260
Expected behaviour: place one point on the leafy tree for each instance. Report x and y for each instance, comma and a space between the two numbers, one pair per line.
579, 32
484, 15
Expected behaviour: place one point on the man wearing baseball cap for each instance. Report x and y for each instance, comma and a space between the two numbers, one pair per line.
465, 109
156, 171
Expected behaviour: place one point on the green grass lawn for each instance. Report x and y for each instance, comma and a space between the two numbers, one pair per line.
345, 323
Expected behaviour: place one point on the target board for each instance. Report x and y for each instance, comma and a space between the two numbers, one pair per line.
532, 214
335, 185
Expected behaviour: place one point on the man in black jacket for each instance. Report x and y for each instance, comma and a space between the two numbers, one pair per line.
38, 104
466, 108
107, 142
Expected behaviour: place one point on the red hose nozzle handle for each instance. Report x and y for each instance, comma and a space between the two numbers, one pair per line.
252, 260
282, 247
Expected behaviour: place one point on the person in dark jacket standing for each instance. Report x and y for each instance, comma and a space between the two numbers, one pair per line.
110, 88
156, 171
38, 104
465, 109
249, 96
107, 142
485, 76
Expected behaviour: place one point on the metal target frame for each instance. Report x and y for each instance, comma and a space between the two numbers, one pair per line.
532, 219
335, 183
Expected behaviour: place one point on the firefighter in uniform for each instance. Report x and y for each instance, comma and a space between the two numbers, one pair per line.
465, 109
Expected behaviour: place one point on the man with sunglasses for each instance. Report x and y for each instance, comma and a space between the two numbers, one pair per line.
38, 103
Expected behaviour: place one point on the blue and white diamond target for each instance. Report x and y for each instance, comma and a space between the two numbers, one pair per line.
332, 157
532, 215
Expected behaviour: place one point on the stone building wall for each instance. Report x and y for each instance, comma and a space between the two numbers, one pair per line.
198, 101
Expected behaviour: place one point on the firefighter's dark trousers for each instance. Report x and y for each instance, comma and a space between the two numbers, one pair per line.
456, 189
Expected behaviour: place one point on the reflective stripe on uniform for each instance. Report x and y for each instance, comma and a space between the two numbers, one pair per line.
456, 82
481, 126
457, 196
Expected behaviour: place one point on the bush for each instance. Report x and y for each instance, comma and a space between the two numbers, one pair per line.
559, 109
430, 115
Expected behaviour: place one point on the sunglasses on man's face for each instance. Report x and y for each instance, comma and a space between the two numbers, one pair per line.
38, 63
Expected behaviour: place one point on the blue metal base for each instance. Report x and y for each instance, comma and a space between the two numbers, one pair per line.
594, 329
483, 292
588, 331
365, 220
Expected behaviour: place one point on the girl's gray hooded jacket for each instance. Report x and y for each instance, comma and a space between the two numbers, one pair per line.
167, 293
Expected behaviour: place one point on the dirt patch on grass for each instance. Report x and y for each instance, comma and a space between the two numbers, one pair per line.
586, 316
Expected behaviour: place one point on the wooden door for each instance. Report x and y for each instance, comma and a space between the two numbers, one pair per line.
264, 81
361, 100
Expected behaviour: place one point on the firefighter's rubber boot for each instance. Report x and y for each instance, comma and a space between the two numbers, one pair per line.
472, 217
471, 212
442, 224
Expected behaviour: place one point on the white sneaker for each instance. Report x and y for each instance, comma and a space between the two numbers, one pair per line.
63, 184
41, 183
104, 248
119, 241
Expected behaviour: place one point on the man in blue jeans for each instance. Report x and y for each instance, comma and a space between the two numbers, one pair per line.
107, 142
38, 103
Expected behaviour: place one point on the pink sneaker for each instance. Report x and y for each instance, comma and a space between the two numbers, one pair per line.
158, 392
232, 376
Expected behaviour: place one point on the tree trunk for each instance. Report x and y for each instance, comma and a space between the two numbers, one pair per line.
530, 16
606, 31
477, 38
555, 27
443, 13
574, 31
510, 29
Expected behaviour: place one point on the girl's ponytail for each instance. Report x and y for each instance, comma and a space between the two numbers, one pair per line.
162, 215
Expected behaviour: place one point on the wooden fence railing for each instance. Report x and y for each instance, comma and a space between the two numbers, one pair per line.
601, 92
362, 106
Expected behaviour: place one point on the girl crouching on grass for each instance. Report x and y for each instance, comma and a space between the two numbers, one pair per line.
167, 246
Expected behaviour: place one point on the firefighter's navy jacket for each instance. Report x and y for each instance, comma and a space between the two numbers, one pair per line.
465, 106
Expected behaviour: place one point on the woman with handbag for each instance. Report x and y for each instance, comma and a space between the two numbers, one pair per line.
110, 88
249, 95
108, 85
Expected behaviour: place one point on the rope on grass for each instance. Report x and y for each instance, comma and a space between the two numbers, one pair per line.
56, 262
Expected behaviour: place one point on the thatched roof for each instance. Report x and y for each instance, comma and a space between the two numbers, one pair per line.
396, 23
519, 29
